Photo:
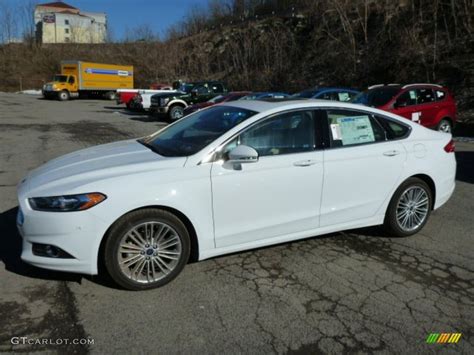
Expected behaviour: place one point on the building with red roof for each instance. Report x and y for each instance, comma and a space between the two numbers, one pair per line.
59, 22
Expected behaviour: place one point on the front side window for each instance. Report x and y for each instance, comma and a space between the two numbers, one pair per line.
287, 133
191, 134
408, 98
201, 90
349, 128
71, 80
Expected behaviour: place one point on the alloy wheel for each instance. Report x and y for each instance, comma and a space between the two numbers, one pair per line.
149, 252
445, 127
412, 208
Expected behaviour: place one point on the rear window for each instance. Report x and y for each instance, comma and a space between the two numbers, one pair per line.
440, 95
376, 97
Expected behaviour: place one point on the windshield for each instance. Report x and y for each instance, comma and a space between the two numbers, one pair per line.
307, 94
60, 78
192, 133
376, 97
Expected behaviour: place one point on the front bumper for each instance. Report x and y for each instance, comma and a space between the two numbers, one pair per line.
77, 233
159, 109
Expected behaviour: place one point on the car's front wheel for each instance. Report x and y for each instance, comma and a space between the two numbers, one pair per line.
409, 208
146, 249
176, 112
63, 95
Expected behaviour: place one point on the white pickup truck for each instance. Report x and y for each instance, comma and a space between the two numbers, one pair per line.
143, 98
131, 97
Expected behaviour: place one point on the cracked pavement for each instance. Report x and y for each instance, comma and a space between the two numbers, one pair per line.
351, 292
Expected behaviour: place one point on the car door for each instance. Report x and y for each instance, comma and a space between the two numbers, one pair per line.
277, 195
406, 106
361, 167
427, 106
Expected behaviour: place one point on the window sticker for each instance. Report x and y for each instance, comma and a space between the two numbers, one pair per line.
356, 130
415, 116
412, 95
343, 96
336, 131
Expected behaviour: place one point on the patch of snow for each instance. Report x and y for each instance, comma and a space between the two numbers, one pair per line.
30, 92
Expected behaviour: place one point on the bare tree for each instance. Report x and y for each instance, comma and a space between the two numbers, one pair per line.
8, 23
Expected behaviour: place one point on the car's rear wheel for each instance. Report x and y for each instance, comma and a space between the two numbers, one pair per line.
176, 112
146, 249
445, 126
409, 208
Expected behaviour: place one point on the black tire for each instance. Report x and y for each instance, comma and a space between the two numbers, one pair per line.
176, 112
121, 227
445, 125
391, 224
63, 95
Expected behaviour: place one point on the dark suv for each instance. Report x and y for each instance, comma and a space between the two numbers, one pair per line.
173, 104
430, 105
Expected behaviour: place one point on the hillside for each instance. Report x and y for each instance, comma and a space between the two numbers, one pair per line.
341, 44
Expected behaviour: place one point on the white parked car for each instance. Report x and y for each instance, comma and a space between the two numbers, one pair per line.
235, 176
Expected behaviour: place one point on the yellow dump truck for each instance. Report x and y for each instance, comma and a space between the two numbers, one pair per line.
88, 79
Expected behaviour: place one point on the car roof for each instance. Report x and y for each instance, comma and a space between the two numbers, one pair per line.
290, 103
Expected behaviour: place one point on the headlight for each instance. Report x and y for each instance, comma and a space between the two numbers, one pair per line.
66, 203
164, 101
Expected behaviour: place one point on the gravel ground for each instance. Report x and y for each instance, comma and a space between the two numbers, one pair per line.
356, 291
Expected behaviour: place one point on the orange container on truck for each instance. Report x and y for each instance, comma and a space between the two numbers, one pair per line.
88, 79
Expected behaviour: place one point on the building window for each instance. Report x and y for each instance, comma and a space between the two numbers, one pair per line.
67, 39
66, 30
66, 22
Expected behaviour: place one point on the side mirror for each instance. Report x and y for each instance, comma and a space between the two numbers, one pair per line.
242, 154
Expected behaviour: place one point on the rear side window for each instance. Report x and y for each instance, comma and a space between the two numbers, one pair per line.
394, 129
424, 96
349, 128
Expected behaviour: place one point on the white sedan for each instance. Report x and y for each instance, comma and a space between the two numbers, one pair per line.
231, 177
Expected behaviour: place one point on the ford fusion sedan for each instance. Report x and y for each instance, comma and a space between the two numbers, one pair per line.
232, 177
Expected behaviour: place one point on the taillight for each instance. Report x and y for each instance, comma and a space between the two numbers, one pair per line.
450, 147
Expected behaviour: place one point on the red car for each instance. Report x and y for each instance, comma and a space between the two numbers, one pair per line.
431, 105
231, 96
126, 96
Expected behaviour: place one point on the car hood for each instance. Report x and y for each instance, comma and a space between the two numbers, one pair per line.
70, 172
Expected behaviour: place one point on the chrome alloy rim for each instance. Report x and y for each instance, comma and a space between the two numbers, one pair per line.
149, 252
177, 114
412, 208
445, 127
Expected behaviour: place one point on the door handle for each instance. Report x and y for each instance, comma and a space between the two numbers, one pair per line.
303, 163
391, 153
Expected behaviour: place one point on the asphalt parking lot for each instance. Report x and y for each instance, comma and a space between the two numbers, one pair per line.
355, 291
